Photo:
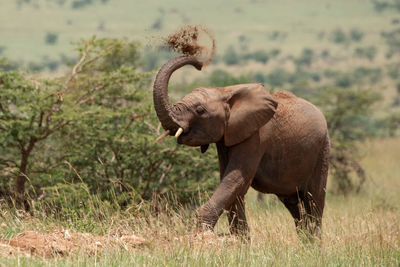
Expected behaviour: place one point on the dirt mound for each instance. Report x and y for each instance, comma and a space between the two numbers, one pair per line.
62, 243
186, 41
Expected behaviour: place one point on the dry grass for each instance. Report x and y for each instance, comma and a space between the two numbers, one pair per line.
358, 230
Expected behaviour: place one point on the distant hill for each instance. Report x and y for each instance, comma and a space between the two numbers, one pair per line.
32, 30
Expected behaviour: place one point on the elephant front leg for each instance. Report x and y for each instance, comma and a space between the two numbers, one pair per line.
228, 196
237, 218
236, 179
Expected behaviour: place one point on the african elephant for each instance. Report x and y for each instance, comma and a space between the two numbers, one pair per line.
276, 143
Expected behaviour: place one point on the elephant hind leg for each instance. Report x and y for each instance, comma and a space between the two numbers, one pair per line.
307, 216
307, 206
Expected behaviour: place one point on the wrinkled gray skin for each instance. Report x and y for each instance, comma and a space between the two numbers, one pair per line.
276, 143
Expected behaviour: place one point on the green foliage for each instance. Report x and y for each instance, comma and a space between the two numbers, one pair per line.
231, 57
367, 75
51, 38
347, 112
358, 76
392, 123
305, 59
339, 36
325, 53
277, 77
356, 35
274, 52
393, 70
94, 126
243, 43
258, 56
153, 59
380, 5
392, 39
223, 78
366, 52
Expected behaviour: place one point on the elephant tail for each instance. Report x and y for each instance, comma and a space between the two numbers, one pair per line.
321, 173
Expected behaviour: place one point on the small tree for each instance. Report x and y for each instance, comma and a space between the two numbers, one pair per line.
95, 124
338, 36
305, 59
231, 57
31, 111
51, 38
347, 113
356, 35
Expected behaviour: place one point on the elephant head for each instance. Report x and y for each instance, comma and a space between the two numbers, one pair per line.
211, 114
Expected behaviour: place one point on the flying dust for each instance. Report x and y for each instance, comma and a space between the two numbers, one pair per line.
186, 40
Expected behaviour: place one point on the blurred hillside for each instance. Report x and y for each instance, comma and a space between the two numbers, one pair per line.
32, 30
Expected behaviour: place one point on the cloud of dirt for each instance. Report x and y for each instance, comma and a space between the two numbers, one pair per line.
186, 39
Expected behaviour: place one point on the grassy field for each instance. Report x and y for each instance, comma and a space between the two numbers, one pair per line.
358, 230
299, 23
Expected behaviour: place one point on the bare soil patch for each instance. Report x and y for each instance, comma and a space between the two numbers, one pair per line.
62, 243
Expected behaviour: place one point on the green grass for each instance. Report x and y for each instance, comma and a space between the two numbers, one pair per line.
358, 230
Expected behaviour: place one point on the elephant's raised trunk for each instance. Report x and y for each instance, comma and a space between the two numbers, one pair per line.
165, 111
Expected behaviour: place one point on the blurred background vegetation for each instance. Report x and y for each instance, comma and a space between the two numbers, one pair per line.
76, 117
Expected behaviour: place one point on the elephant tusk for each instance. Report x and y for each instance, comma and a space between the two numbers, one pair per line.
161, 137
179, 132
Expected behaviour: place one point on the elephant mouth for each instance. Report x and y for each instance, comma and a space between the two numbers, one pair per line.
187, 139
184, 138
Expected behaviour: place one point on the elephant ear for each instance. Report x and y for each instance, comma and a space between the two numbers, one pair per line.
251, 107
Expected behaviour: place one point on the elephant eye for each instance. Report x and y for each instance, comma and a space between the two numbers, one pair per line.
200, 110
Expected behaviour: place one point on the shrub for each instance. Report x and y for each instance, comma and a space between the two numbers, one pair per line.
379, 6
372, 75
392, 39
259, 77
366, 52
348, 114
305, 59
258, 56
274, 52
339, 36
393, 70
230, 56
356, 35
223, 78
51, 38
77, 4
277, 77
243, 42
325, 53
302, 88
344, 80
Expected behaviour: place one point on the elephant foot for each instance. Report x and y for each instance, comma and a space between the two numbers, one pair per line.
204, 227
241, 232
207, 218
